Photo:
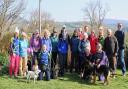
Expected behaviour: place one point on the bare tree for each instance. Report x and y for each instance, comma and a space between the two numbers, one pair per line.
47, 21
96, 11
10, 11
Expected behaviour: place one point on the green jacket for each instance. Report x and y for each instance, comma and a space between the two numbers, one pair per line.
54, 41
101, 40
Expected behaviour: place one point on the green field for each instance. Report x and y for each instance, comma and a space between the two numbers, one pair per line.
70, 81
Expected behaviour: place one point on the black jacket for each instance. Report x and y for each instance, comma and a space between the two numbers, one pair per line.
111, 46
120, 35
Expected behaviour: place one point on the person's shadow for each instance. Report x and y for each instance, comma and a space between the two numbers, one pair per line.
75, 78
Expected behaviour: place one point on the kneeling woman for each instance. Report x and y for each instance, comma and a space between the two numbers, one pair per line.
101, 62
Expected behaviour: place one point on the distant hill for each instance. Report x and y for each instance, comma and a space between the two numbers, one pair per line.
115, 21
112, 23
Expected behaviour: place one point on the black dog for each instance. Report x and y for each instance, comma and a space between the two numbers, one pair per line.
90, 69
87, 68
102, 70
87, 71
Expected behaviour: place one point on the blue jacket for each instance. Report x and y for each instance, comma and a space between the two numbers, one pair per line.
15, 45
120, 35
62, 46
47, 42
82, 45
44, 58
23, 46
54, 41
74, 43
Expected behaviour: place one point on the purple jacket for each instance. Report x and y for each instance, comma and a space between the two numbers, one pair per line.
101, 58
35, 43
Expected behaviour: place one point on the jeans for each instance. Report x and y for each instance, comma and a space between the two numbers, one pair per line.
80, 62
74, 61
121, 60
62, 62
35, 57
45, 70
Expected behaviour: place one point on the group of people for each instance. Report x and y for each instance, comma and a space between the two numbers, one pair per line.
52, 49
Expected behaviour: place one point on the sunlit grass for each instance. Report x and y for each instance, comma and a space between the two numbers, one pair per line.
69, 81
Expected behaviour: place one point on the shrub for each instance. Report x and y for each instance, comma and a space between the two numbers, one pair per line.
4, 61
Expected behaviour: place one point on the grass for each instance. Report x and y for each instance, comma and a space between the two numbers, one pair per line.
70, 81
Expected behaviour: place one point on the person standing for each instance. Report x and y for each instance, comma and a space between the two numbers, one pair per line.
23, 46
35, 44
86, 29
120, 35
101, 36
54, 41
47, 41
111, 49
74, 42
93, 41
80, 33
64, 37
62, 51
14, 54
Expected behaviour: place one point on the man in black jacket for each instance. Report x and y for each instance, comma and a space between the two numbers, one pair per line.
111, 49
120, 35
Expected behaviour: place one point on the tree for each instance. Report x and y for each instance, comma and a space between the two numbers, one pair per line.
47, 21
95, 11
10, 11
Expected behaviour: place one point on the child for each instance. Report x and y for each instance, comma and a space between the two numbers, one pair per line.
23, 45
44, 63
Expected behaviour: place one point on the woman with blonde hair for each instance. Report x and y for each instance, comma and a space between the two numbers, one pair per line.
47, 41
23, 45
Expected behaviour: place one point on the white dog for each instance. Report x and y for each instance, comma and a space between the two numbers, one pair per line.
33, 74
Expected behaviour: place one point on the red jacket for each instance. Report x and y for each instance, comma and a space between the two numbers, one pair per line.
93, 42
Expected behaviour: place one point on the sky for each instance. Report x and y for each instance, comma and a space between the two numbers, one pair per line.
72, 10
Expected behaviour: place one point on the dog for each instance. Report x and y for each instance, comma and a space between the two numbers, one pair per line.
90, 71
87, 70
54, 72
33, 74
102, 70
